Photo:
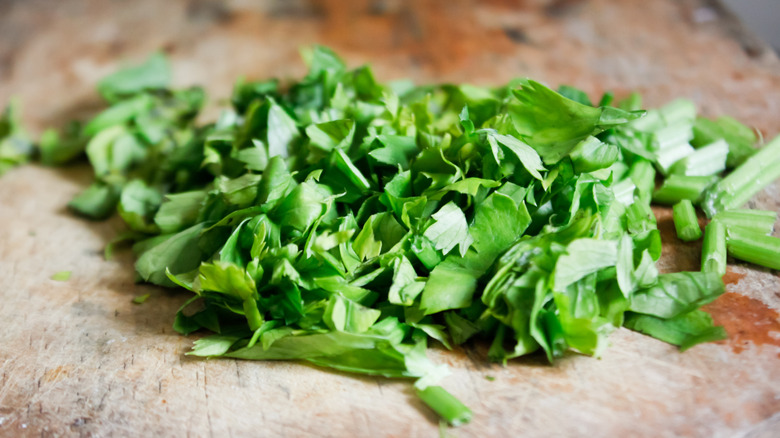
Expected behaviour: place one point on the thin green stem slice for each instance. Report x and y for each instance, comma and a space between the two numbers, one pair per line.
759, 221
748, 179
678, 187
446, 405
685, 221
753, 247
713, 257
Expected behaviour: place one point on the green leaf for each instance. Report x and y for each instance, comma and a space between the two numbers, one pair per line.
583, 257
98, 201
449, 230
175, 252
685, 330
380, 232
345, 315
336, 134
138, 204
526, 154
677, 293
282, 131
553, 124
153, 74
179, 210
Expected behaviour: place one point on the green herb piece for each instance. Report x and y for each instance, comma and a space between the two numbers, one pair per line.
141, 298
153, 74
444, 404
685, 221
754, 247
61, 276
553, 124
685, 330
57, 150
677, 293
15, 145
713, 257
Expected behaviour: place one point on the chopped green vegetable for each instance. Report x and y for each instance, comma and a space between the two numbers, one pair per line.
754, 247
740, 138
61, 276
15, 145
447, 406
685, 221
141, 298
347, 223
675, 188
759, 221
713, 258
705, 161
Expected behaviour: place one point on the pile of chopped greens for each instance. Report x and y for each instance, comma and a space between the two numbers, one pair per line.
347, 223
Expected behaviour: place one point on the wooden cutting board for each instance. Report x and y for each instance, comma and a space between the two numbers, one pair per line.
77, 358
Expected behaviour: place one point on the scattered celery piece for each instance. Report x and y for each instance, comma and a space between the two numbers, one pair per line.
713, 258
678, 187
759, 221
753, 247
444, 404
745, 181
685, 221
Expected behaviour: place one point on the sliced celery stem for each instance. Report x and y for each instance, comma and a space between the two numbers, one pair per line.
745, 181
685, 221
446, 405
753, 247
678, 187
760, 221
713, 257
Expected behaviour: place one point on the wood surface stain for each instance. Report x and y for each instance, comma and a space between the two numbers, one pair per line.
745, 319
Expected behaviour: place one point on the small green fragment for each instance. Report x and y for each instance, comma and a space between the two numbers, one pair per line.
685, 221
61, 276
446, 405
141, 298
713, 257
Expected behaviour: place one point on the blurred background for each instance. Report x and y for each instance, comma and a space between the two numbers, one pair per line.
760, 16
52, 52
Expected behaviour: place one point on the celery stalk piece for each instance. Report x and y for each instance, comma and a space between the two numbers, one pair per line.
685, 221
748, 179
753, 247
759, 221
678, 187
713, 257
446, 405
705, 161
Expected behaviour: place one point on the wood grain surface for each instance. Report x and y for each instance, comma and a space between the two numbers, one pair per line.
77, 358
